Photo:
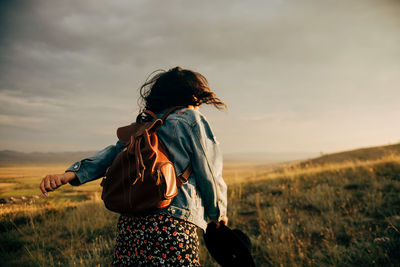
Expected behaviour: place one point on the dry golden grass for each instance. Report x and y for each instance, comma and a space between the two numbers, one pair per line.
30, 170
334, 214
44, 203
24, 180
295, 170
246, 172
342, 214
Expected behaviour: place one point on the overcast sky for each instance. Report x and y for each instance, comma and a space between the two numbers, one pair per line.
297, 75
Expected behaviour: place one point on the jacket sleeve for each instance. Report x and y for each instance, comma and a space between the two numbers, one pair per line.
207, 166
95, 166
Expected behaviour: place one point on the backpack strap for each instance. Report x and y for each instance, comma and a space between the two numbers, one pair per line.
151, 113
184, 177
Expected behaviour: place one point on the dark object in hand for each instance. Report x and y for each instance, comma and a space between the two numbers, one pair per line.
228, 247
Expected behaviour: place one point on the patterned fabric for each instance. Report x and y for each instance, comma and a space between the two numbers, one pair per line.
156, 240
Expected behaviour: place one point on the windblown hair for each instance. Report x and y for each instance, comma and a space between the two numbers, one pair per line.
176, 87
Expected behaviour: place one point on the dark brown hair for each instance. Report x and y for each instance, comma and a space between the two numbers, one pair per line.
177, 87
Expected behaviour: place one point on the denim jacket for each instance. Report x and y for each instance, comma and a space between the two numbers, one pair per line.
188, 139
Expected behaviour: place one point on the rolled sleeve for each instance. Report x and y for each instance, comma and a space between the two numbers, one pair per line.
95, 166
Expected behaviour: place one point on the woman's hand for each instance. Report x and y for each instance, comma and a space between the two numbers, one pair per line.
54, 181
222, 220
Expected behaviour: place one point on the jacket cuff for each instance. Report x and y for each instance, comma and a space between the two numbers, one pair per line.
81, 178
218, 212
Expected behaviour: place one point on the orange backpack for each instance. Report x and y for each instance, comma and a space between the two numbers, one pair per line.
141, 179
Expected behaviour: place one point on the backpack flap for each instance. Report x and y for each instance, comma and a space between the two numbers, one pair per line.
135, 129
124, 133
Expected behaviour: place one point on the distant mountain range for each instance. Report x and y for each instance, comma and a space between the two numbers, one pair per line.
361, 154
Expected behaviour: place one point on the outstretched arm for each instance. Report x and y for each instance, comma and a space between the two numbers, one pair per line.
94, 167
83, 171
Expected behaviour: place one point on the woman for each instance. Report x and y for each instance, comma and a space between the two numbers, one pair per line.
167, 237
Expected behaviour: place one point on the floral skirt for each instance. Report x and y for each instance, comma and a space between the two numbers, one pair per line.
156, 240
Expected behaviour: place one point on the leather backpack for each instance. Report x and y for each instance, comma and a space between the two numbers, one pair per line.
141, 179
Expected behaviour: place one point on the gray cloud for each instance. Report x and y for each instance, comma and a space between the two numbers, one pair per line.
73, 67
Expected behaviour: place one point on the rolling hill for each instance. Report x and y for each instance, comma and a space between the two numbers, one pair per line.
361, 154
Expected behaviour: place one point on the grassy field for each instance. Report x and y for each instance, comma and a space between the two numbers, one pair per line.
340, 213
16, 181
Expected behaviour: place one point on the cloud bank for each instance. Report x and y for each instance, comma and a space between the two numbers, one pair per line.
303, 75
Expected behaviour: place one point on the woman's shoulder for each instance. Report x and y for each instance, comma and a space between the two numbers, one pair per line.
188, 116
